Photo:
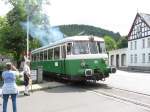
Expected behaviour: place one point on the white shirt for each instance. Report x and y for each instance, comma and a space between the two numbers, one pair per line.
26, 69
9, 86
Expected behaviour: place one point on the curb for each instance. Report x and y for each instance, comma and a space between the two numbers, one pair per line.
48, 86
38, 87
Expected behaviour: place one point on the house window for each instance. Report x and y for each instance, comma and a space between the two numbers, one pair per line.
143, 43
131, 37
135, 45
131, 46
143, 57
139, 31
148, 32
131, 58
135, 58
142, 34
148, 42
149, 57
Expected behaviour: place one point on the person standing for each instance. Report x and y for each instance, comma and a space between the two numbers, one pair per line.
27, 72
9, 87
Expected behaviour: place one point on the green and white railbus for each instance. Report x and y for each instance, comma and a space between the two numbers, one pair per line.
77, 58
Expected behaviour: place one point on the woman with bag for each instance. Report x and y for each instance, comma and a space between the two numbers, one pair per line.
9, 87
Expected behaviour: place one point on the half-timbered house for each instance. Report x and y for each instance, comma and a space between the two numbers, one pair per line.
139, 43
138, 51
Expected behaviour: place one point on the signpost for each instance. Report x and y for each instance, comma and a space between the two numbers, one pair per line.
34, 75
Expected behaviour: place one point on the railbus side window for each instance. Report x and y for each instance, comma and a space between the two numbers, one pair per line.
69, 48
37, 56
45, 55
63, 51
32, 58
41, 55
36, 59
56, 53
50, 54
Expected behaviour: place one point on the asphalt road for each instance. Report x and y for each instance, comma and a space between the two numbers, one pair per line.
133, 81
72, 99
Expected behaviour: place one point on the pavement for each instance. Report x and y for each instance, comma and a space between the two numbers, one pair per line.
132, 81
40, 86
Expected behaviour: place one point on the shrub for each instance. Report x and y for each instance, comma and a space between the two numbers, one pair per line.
19, 81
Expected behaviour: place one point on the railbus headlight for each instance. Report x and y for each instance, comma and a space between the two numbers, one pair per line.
88, 72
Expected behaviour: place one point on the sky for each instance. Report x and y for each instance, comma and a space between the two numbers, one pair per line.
113, 15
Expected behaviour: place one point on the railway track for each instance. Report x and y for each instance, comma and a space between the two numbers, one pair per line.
133, 97
124, 95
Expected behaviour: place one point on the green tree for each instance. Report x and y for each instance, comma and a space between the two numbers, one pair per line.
12, 34
110, 43
122, 42
12, 39
2, 22
35, 43
75, 29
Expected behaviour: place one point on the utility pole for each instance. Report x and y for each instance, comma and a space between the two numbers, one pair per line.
28, 29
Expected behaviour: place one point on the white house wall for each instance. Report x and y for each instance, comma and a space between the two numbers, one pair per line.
139, 51
118, 52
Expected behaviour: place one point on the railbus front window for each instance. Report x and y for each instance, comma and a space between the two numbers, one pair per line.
93, 47
80, 47
101, 47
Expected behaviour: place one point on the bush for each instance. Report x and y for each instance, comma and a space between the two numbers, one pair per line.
19, 81
2, 66
1, 70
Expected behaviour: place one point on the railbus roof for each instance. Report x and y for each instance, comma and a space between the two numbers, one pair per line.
68, 39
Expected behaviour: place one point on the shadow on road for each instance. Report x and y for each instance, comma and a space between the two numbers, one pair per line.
90, 85
70, 86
